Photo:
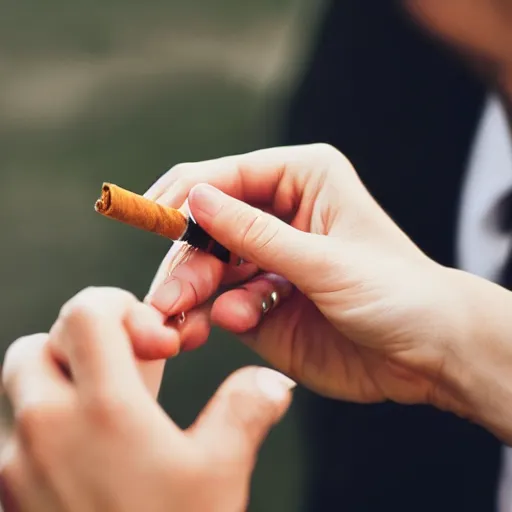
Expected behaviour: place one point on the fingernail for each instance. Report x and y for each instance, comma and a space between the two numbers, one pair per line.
166, 296
207, 199
274, 384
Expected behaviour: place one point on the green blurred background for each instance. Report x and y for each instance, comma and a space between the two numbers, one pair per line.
120, 91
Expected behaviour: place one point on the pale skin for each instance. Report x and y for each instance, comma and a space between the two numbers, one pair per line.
99, 440
363, 315
481, 30
481, 26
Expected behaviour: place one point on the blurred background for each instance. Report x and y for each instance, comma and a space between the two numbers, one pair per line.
120, 91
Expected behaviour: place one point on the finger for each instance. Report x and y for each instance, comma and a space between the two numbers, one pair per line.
190, 284
152, 338
173, 187
164, 269
261, 238
39, 393
240, 415
159, 187
195, 328
230, 274
276, 176
242, 309
153, 342
239, 273
32, 377
187, 333
91, 336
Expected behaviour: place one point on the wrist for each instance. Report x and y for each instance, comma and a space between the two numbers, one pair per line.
476, 382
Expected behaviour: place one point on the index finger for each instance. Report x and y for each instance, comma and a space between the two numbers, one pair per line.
90, 332
276, 176
31, 377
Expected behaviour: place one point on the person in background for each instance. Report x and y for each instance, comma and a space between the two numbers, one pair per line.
417, 94
336, 296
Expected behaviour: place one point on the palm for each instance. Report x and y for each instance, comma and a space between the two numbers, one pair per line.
300, 341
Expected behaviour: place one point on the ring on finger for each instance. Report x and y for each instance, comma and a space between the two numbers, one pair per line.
270, 303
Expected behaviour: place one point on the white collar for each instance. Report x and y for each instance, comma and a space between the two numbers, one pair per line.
481, 249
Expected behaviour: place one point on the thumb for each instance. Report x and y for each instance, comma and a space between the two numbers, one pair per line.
239, 416
256, 236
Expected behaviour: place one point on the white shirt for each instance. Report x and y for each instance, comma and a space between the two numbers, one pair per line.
481, 248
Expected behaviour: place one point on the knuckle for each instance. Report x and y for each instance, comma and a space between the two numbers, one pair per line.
258, 231
18, 352
80, 307
187, 183
326, 151
13, 355
331, 155
180, 170
90, 303
185, 176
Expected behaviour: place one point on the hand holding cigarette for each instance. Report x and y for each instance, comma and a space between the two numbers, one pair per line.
347, 304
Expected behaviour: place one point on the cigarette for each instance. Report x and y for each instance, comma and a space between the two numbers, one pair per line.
137, 211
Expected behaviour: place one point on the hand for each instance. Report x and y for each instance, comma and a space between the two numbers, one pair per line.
93, 438
364, 315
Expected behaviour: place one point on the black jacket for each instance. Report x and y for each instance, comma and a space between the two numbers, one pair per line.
405, 111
